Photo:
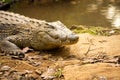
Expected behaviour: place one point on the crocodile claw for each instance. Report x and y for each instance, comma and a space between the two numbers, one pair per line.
17, 54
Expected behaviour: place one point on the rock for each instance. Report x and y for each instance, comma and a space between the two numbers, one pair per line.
38, 71
28, 72
34, 63
1, 73
5, 68
49, 74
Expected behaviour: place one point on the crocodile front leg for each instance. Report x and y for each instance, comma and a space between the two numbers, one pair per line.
8, 47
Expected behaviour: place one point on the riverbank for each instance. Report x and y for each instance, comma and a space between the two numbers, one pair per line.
92, 58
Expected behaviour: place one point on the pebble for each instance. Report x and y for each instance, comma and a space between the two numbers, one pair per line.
28, 72
5, 68
49, 74
38, 71
34, 63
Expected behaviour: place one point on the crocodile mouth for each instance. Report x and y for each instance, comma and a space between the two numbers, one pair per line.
60, 39
64, 40
70, 39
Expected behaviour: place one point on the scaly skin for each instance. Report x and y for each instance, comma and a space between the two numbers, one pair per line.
17, 31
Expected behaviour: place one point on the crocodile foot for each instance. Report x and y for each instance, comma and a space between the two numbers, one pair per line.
18, 54
10, 49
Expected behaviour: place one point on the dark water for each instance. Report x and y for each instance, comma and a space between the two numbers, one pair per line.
104, 13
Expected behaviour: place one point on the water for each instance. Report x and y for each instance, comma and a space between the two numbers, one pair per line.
105, 13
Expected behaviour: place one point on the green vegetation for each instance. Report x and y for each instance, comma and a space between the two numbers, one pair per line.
95, 30
6, 1
58, 73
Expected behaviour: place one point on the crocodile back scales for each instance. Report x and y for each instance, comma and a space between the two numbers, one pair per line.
10, 23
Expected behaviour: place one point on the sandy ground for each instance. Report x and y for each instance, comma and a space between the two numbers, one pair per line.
94, 46
92, 58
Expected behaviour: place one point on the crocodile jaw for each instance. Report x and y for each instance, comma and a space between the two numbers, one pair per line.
63, 34
58, 33
53, 35
71, 39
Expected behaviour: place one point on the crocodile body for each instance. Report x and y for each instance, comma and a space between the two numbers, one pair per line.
18, 31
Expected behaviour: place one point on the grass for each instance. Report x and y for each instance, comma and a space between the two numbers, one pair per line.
58, 73
95, 30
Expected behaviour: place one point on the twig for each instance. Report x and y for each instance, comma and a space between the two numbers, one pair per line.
90, 44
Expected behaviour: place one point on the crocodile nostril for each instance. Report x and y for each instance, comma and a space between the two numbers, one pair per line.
73, 37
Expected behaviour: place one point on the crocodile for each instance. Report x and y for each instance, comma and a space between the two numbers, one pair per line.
18, 31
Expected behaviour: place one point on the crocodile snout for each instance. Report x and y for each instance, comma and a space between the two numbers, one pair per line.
69, 39
73, 38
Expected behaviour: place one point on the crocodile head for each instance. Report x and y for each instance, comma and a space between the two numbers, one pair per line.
54, 34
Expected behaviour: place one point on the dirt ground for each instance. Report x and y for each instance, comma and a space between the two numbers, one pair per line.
92, 58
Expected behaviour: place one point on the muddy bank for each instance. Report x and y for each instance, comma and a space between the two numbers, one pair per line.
92, 58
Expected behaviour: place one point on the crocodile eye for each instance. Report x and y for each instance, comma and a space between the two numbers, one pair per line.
52, 27
49, 26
